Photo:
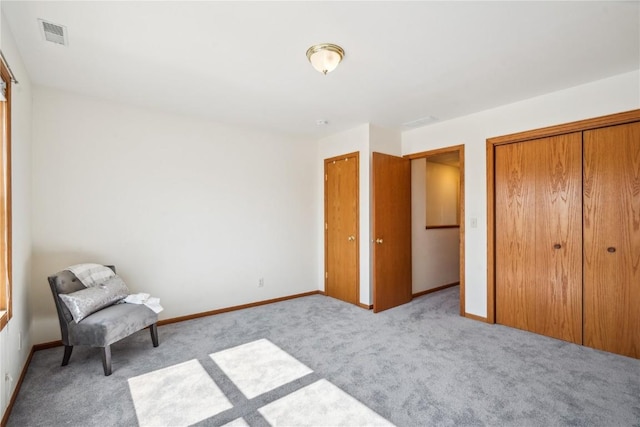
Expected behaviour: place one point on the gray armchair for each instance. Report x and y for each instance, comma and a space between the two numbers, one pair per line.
102, 328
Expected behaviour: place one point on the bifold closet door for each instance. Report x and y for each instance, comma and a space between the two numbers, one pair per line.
612, 239
538, 191
515, 271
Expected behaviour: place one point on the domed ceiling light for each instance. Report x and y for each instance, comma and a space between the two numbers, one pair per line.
325, 57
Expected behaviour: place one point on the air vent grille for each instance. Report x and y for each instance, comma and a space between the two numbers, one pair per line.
53, 32
420, 122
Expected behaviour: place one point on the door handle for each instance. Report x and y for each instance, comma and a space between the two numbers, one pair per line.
557, 246
379, 241
611, 249
351, 238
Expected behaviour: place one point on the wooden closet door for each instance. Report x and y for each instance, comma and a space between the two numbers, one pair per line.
538, 236
612, 239
515, 271
341, 228
558, 227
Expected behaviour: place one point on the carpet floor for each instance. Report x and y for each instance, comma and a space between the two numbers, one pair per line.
319, 361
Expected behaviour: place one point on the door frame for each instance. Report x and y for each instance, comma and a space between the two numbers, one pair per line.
460, 150
577, 126
355, 154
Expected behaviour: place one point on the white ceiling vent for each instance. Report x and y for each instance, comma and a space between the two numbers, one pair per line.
54, 33
420, 122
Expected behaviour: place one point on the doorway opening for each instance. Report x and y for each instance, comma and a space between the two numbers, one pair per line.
438, 229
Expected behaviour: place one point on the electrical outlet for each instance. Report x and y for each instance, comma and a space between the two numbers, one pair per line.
261, 282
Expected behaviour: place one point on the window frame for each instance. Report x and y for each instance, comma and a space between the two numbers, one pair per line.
5, 202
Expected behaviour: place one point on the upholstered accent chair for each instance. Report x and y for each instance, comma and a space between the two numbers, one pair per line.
101, 328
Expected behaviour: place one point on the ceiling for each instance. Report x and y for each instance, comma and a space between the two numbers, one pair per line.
244, 63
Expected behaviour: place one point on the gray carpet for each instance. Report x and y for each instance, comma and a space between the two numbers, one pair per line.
416, 365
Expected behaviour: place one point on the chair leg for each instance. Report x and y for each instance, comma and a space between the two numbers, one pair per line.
154, 334
67, 354
106, 360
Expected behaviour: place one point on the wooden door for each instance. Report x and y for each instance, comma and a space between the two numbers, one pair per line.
612, 239
341, 228
558, 256
515, 237
391, 200
538, 236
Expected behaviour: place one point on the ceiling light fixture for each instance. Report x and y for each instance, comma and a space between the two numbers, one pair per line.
325, 57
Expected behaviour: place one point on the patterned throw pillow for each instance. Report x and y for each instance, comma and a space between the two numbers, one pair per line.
87, 301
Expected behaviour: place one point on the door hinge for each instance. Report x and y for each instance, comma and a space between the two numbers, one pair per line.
326, 226
326, 274
326, 177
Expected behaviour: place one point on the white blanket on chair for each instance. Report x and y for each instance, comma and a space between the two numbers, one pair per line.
152, 302
91, 274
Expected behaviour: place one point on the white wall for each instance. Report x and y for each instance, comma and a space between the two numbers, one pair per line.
13, 358
435, 253
385, 141
443, 184
612, 95
190, 211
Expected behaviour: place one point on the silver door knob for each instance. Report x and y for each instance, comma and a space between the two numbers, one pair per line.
379, 241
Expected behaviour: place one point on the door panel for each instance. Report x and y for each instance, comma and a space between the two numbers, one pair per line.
341, 228
538, 236
515, 235
612, 239
391, 231
558, 260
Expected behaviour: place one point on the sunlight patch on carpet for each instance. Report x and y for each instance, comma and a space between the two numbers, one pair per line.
259, 366
238, 422
320, 403
179, 395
